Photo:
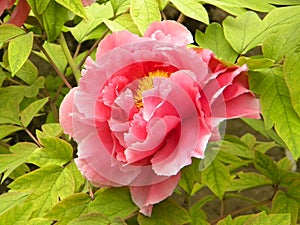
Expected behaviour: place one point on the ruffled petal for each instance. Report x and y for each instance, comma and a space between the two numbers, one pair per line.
115, 40
66, 111
169, 31
145, 196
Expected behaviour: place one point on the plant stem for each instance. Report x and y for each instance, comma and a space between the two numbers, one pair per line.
69, 57
32, 137
60, 74
95, 45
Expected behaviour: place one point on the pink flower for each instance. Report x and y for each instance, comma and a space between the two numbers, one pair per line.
147, 105
20, 13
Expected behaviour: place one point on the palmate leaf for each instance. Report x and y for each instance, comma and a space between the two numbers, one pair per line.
214, 39
240, 34
91, 219
47, 185
144, 12
277, 108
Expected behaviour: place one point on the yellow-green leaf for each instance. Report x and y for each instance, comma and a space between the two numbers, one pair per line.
19, 50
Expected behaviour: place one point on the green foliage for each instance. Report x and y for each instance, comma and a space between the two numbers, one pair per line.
37, 160
162, 212
143, 12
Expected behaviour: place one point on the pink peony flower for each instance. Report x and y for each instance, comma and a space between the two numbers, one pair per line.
147, 105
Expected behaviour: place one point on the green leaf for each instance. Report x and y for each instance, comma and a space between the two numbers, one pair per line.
38, 6
69, 208
9, 112
55, 152
161, 214
74, 6
259, 126
56, 54
240, 34
20, 153
28, 72
6, 130
91, 219
113, 202
277, 108
189, 176
236, 147
144, 12
291, 74
30, 112
39, 221
49, 130
284, 2
192, 9
248, 180
279, 19
289, 38
17, 215
47, 186
19, 50
214, 40
54, 18
217, 177
10, 31
95, 15
255, 63
267, 167
123, 22
11, 199
80, 181
262, 218
283, 204
232, 7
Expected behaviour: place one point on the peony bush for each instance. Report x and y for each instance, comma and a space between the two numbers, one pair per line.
120, 112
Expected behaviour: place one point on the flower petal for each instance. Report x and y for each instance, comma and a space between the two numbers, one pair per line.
169, 31
145, 196
66, 111
115, 40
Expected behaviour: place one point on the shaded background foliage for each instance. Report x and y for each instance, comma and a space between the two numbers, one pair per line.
253, 179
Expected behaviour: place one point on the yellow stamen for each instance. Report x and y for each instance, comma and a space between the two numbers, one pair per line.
145, 84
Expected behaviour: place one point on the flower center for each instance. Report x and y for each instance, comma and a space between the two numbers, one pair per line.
146, 83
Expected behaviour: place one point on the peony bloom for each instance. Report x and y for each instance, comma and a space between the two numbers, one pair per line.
147, 105
22, 9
